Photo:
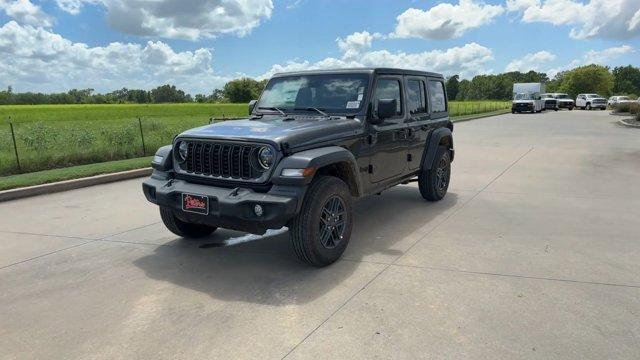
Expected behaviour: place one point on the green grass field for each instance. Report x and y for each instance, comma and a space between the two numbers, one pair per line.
58, 136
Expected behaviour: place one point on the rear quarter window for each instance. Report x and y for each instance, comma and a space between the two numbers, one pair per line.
437, 98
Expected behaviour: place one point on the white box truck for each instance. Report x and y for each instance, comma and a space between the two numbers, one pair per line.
526, 97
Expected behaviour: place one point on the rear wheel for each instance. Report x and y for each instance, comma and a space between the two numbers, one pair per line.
434, 183
184, 229
321, 231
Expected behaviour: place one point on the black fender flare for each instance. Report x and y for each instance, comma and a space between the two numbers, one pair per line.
432, 146
317, 159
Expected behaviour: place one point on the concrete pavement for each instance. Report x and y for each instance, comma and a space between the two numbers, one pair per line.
534, 253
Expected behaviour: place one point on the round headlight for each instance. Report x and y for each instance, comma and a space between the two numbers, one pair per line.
183, 150
266, 157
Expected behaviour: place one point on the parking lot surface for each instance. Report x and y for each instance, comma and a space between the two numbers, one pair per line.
534, 253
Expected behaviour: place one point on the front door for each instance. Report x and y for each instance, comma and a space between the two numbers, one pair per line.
388, 140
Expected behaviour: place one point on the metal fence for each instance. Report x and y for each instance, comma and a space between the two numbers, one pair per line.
27, 146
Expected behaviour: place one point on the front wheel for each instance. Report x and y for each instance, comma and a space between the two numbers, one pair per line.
184, 229
588, 107
434, 183
321, 231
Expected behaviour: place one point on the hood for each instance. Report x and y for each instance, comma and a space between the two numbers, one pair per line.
564, 100
301, 131
523, 101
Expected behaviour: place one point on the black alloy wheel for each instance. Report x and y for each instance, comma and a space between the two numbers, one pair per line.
332, 222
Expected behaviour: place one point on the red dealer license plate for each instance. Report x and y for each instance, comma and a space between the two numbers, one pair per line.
195, 203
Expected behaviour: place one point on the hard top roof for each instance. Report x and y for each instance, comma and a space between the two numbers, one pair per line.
379, 71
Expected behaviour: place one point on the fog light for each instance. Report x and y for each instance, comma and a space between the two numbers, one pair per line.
258, 210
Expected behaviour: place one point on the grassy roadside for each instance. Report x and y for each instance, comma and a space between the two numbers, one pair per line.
73, 172
76, 172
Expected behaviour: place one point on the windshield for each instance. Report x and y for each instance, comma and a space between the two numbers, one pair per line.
562, 96
523, 96
330, 93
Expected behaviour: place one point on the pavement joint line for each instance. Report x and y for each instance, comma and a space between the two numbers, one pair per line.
129, 230
517, 276
63, 249
47, 254
336, 311
454, 212
394, 262
46, 235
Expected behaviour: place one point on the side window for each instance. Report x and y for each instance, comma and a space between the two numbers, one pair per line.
416, 97
436, 96
389, 89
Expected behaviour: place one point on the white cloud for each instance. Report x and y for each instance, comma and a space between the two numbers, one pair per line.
175, 19
36, 59
25, 12
605, 56
517, 5
445, 21
355, 43
634, 23
467, 60
596, 18
530, 62
74, 6
599, 57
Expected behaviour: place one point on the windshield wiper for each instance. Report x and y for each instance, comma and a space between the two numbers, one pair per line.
313, 109
273, 108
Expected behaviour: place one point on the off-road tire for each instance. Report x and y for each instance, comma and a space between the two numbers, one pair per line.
430, 180
184, 229
305, 229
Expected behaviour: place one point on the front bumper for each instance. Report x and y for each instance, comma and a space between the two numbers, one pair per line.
228, 208
522, 107
566, 105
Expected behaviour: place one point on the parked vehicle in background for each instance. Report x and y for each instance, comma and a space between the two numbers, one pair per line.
527, 97
615, 100
315, 141
564, 101
550, 103
591, 101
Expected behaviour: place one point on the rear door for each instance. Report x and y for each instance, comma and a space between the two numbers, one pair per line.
419, 123
388, 140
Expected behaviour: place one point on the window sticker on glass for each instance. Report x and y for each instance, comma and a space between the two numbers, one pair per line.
353, 104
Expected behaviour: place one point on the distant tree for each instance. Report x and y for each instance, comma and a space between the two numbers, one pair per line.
626, 80
168, 94
217, 96
243, 90
587, 79
453, 85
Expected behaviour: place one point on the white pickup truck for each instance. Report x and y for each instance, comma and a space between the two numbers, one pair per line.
615, 100
591, 101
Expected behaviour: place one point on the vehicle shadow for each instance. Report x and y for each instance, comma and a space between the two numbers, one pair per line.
266, 271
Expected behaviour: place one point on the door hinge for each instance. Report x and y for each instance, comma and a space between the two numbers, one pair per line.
409, 157
370, 169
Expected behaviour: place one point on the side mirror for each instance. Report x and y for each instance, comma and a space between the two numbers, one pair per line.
387, 108
252, 105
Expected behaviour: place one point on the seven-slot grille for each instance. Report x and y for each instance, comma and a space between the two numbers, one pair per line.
221, 160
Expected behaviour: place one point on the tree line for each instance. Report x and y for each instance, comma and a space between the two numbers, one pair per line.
622, 80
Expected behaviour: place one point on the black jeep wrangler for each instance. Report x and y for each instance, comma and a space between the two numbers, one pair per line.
315, 141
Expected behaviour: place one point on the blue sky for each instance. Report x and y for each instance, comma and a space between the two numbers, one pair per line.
54, 45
